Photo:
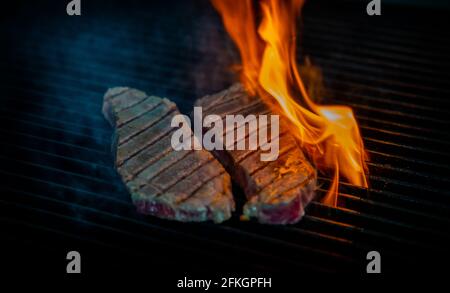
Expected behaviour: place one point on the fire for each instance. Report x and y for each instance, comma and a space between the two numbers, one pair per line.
329, 133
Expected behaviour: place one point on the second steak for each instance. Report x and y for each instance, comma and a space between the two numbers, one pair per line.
277, 191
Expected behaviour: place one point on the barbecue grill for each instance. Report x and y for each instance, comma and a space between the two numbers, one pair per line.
60, 192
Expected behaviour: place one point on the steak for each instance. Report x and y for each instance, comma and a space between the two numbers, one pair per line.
277, 191
180, 185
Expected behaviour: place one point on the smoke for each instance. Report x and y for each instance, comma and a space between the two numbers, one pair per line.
70, 62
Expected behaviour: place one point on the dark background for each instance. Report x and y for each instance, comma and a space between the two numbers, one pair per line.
59, 191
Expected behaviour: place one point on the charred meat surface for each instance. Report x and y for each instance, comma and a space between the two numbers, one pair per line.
180, 185
277, 191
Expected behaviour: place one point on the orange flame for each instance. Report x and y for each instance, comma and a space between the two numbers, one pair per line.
269, 69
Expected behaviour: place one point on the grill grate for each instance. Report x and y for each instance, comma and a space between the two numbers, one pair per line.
60, 190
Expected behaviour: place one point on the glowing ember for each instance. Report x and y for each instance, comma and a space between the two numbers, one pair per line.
330, 134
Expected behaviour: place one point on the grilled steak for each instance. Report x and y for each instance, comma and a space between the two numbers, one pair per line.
277, 191
181, 185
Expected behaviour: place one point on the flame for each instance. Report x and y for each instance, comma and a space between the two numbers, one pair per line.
329, 133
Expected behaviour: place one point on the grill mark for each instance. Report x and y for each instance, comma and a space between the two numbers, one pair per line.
115, 104
221, 103
152, 187
121, 160
160, 171
241, 110
210, 104
152, 160
244, 126
147, 146
201, 161
139, 170
226, 98
238, 112
112, 97
299, 185
282, 153
235, 111
120, 122
250, 109
281, 135
124, 137
191, 173
282, 191
211, 178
